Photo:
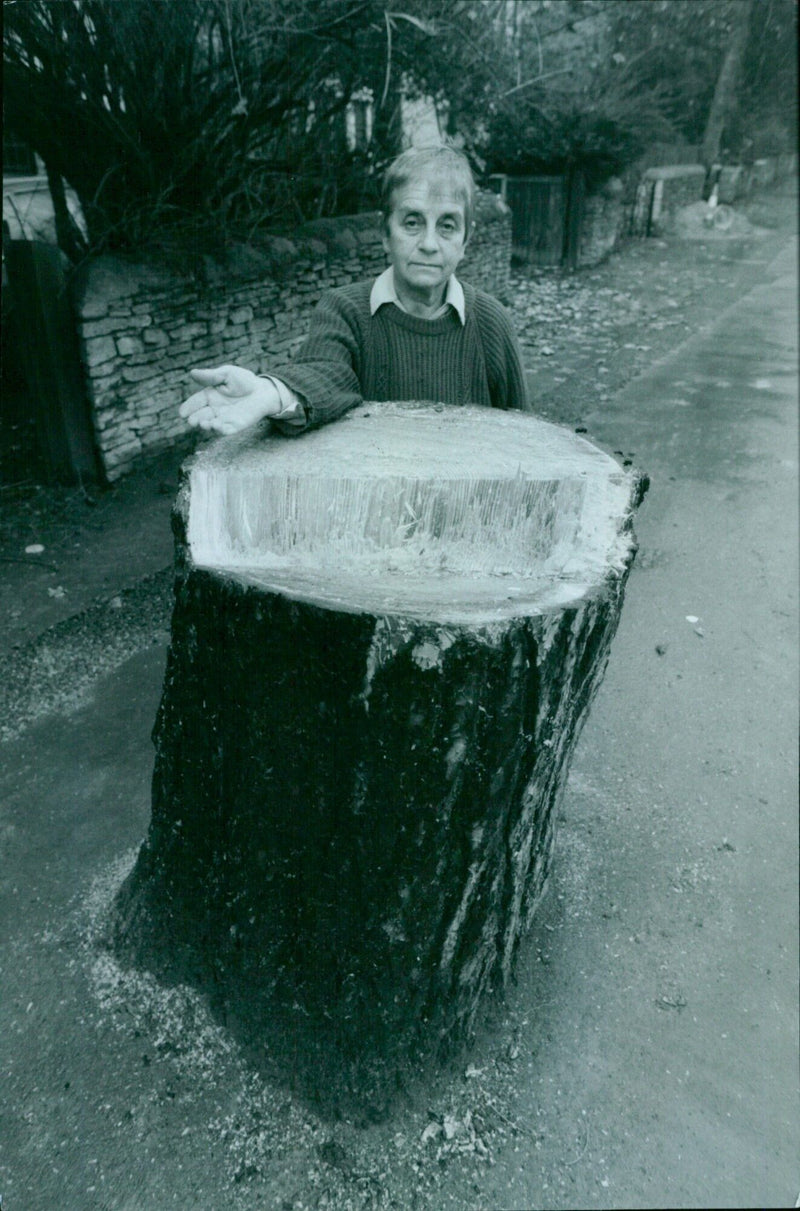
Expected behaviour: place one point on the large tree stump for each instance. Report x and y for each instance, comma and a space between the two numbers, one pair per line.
386, 637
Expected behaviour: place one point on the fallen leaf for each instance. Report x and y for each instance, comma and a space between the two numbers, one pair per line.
431, 1132
35, 548
58, 591
451, 1126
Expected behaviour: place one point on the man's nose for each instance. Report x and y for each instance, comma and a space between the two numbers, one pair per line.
428, 243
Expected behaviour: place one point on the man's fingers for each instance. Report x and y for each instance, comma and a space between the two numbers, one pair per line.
216, 377
203, 417
191, 405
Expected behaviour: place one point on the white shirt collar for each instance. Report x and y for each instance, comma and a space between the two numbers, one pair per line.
384, 291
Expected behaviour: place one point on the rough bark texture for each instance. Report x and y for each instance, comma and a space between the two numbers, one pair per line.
353, 810
724, 99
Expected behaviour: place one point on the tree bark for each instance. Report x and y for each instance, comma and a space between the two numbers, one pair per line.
68, 234
724, 98
359, 753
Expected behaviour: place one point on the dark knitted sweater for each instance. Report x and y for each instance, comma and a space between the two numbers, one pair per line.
350, 355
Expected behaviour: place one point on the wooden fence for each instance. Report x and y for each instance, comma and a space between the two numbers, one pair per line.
44, 332
547, 217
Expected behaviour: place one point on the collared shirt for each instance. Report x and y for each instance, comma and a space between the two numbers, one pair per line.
385, 291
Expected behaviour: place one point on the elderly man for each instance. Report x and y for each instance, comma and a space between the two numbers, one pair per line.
414, 333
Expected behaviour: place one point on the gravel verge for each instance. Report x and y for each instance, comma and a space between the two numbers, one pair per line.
56, 671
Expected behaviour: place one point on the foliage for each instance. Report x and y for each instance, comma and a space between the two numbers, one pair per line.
576, 102
681, 46
599, 128
208, 120
765, 121
590, 83
163, 115
194, 123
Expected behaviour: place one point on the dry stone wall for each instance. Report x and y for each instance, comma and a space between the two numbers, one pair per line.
670, 188
603, 223
142, 326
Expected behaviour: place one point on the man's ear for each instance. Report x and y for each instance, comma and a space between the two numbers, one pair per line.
468, 235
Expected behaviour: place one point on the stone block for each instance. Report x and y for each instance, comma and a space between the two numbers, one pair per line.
116, 461
241, 315
137, 374
115, 323
99, 350
126, 345
146, 410
155, 336
731, 183
764, 170
112, 422
94, 309
103, 383
104, 327
188, 332
117, 437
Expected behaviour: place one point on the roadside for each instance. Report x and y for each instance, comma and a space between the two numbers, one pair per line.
647, 1054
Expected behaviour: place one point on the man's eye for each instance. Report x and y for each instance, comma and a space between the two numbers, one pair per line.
411, 222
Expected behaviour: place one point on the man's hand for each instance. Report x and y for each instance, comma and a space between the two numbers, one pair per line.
232, 398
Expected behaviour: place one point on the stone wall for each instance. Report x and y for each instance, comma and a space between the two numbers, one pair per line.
142, 326
663, 191
738, 181
603, 221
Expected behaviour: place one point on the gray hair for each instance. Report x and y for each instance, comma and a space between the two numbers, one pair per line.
441, 162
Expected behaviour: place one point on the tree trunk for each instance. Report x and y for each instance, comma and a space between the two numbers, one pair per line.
724, 99
68, 234
386, 637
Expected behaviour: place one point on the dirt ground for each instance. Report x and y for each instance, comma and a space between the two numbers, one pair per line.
647, 1054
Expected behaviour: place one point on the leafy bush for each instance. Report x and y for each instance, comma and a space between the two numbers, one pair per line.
557, 130
191, 122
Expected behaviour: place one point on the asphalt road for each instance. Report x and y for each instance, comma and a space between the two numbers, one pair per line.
647, 1055
670, 1030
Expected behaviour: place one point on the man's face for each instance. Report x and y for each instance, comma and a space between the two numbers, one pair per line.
425, 238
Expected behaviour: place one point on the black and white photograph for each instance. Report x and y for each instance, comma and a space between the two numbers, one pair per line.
399, 679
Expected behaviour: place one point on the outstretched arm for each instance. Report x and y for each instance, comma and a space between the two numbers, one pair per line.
325, 373
319, 385
231, 398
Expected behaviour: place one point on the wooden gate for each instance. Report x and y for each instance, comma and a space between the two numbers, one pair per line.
547, 213
45, 335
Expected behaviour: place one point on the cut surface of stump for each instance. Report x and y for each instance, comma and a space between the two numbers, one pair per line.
461, 515
386, 637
